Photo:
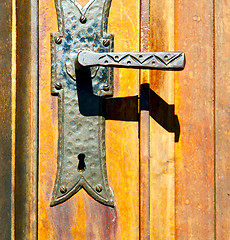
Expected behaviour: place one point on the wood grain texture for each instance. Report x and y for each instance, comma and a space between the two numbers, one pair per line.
194, 106
162, 169
81, 217
6, 190
144, 164
122, 143
222, 100
26, 123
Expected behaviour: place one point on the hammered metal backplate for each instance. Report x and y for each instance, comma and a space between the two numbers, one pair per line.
81, 123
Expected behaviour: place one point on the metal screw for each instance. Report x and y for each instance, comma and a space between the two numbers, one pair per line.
58, 86
63, 189
106, 87
99, 188
58, 40
106, 42
83, 19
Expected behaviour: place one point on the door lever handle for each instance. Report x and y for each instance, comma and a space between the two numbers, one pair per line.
140, 60
81, 43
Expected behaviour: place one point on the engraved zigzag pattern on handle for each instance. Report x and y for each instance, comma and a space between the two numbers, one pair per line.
152, 60
167, 59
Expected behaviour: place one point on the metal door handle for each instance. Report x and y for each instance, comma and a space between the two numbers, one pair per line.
150, 60
81, 43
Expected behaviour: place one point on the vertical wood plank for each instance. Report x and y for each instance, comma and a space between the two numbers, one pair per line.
26, 123
122, 143
144, 164
81, 217
222, 123
162, 168
194, 105
6, 226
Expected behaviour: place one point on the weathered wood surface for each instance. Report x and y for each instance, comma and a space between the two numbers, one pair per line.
6, 191
194, 97
162, 169
144, 165
222, 120
191, 29
26, 124
81, 217
201, 103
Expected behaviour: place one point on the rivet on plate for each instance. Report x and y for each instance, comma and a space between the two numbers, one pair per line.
63, 189
106, 42
58, 40
83, 19
58, 86
106, 87
99, 188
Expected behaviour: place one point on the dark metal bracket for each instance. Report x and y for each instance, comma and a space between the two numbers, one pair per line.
81, 146
81, 76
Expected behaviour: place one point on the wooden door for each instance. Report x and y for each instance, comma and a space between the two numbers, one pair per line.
81, 217
167, 164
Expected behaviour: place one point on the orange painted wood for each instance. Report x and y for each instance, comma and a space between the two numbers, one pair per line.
122, 143
81, 217
194, 98
222, 100
162, 168
190, 28
163, 189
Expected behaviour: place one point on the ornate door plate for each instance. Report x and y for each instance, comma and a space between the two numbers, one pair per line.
81, 55
81, 123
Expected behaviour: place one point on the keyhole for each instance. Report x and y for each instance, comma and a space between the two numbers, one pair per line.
81, 165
